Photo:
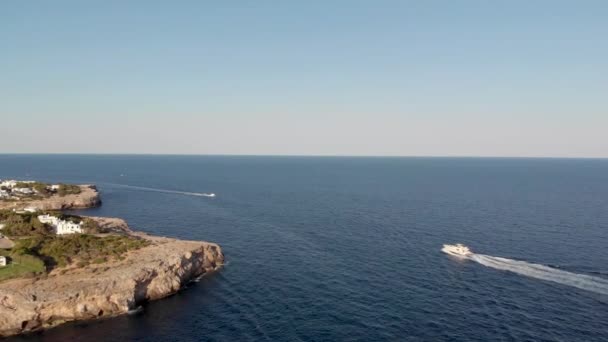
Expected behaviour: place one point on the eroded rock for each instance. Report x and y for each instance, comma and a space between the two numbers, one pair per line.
109, 289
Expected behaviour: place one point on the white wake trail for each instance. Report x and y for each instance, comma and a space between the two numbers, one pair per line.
581, 281
166, 191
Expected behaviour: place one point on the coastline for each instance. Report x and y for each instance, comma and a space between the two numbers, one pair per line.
105, 290
88, 198
101, 290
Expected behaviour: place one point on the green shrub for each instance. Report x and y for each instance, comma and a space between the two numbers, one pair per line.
22, 266
63, 250
68, 189
23, 224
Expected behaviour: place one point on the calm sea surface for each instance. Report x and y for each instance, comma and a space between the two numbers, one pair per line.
348, 249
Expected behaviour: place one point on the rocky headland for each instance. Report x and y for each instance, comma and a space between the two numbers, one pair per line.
98, 290
87, 198
105, 290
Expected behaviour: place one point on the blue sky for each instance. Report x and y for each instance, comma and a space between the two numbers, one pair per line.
453, 78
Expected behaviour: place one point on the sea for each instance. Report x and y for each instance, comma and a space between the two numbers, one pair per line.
349, 248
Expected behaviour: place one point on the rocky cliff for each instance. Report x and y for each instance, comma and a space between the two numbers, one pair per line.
104, 290
87, 198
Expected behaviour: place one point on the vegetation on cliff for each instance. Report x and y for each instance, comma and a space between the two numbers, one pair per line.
37, 248
39, 191
27, 224
53, 197
24, 224
67, 243
99, 291
37, 254
68, 189
82, 249
21, 266
42, 189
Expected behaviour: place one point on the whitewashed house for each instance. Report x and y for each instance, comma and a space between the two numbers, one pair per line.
25, 191
61, 227
3, 261
8, 183
48, 219
11, 183
66, 227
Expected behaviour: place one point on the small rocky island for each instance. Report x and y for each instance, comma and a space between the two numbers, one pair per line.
56, 268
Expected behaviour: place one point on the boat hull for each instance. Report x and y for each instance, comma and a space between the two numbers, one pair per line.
456, 251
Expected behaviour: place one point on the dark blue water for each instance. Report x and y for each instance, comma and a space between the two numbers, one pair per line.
348, 249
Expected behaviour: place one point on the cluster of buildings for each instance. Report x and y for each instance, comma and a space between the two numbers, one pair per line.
9, 189
61, 227
13, 189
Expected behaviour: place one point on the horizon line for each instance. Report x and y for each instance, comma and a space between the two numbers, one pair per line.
293, 155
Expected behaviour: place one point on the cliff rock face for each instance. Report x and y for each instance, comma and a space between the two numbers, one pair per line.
108, 289
87, 198
111, 225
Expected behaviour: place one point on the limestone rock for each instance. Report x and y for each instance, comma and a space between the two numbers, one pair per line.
87, 198
104, 290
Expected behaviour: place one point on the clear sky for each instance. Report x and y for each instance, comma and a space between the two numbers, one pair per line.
437, 78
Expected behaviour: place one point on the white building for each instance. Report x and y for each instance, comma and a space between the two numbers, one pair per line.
3, 261
66, 227
54, 187
48, 219
25, 191
61, 227
11, 183
8, 183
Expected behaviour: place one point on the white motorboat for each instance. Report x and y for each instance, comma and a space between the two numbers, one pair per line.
457, 250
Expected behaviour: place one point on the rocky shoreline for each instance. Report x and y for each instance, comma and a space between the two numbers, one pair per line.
87, 198
105, 290
112, 288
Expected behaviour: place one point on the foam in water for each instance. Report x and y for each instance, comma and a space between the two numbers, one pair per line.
136, 310
581, 281
166, 191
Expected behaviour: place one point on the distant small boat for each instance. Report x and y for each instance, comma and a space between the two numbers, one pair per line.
209, 195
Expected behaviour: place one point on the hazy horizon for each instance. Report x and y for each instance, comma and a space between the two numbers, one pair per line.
291, 155
388, 78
